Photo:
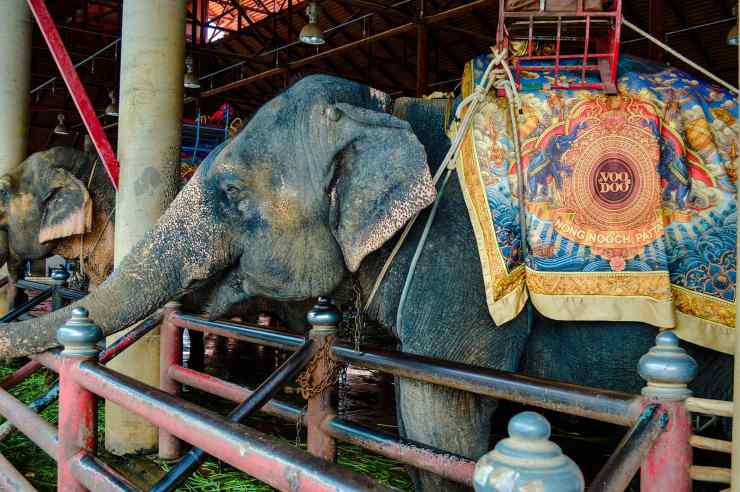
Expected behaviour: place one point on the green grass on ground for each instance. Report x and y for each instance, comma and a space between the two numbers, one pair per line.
213, 476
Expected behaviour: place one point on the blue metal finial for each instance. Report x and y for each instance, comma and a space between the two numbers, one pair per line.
60, 275
667, 368
79, 335
324, 313
527, 460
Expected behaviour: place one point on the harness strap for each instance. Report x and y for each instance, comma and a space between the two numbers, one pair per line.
492, 77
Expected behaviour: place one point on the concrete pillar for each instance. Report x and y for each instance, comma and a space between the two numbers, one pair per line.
15, 82
150, 114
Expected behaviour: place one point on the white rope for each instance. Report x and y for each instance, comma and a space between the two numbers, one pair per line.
678, 55
492, 77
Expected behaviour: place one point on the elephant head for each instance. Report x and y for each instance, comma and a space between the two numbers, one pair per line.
42, 201
319, 178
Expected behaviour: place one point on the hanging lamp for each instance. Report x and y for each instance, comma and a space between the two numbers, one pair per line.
112, 108
732, 35
191, 79
311, 32
61, 128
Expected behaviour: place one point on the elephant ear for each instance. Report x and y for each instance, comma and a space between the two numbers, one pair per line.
381, 179
66, 207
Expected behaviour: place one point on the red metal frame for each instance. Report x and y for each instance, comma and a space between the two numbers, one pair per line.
606, 56
76, 89
666, 466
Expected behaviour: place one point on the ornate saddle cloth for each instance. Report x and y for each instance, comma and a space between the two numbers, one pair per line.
629, 201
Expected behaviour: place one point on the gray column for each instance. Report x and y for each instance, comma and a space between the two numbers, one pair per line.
150, 114
15, 82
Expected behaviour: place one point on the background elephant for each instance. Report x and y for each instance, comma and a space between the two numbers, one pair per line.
302, 203
58, 202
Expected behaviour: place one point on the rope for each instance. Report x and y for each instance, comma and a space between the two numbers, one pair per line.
492, 77
678, 55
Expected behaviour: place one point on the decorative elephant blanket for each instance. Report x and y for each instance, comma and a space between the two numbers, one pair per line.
629, 201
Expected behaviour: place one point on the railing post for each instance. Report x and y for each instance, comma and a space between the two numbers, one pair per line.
170, 350
323, 318
526, 460
59, 279
78, 409
668, 369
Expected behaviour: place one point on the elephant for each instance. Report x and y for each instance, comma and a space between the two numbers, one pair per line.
304, 202
548, 161
58, 202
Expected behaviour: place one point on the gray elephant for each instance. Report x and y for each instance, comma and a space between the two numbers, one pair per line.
303, 203
57, 202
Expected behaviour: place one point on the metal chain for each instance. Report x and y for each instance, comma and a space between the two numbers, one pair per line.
299, 425
309, 388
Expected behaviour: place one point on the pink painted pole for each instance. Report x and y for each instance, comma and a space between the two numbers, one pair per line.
666, 466
668, 369
76, 89
78, 409
170, 354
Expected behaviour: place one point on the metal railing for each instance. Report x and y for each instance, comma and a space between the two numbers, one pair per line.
659, 440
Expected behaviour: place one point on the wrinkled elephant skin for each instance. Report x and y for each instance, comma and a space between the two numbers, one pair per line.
46, 208
309, 192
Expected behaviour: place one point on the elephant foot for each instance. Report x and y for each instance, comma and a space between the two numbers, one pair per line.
451, 420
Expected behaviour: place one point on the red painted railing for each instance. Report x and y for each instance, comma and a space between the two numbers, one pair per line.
658, 440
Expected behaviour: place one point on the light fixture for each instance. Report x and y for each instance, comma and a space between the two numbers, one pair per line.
191, 79
311, 32
732, 35
61, 128
112, 108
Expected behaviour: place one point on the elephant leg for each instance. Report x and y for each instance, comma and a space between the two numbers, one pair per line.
16, 297
446, 316
454, 420
197, 350
448, 419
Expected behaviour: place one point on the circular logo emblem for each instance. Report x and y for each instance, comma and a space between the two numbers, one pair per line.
613, 182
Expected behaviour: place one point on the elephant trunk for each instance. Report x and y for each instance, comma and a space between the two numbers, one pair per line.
187, 246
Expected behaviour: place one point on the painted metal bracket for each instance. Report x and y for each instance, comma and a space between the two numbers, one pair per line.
76, 89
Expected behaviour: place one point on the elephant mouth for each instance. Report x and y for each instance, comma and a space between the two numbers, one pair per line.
254, 286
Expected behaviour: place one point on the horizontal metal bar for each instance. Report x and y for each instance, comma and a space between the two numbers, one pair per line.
129, 338
21, 310
78, 64
67, 293
277, 464
246, 333
11, 479
604, 405
447, 465
231, 391
97, 476
264, 393
406, 451
622, 465
38, 430
20, 374
49, 359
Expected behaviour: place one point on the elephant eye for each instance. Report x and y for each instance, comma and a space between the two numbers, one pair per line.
232, 190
